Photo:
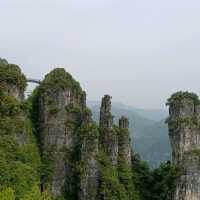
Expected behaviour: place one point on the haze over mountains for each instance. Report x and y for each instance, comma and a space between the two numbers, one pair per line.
148, 130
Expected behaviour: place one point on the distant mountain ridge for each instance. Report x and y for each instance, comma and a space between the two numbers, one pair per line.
148, 131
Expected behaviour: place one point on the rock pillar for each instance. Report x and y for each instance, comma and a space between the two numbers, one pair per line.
108, 133
184, 133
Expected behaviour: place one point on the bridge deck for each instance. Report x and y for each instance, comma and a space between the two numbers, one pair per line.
31, 80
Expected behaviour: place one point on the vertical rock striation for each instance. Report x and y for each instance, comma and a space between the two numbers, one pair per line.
124, 140
68, 137
61, 102
108, 135
89, 172
184, 133
80, 160
124, 158
116, 176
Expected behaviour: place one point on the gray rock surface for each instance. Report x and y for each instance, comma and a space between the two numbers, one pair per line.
184, 133
124, 140
109, 137
89, 177
13, 90
57, 133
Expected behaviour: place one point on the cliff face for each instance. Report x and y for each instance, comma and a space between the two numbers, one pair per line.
19, 155
89, 150
73, 149
109, 136
115, 140
116, 177
61, 103
184, 133
124, 140
12, 81
76, 159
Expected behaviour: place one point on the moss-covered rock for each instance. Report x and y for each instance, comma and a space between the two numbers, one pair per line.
19, 154
88, 170
178, 97
12, 74
56, 110
110, 187
59, 78
3, 61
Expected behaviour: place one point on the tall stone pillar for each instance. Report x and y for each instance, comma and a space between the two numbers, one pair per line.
89, 174
184, 133
108, 134
124, 140
60, 109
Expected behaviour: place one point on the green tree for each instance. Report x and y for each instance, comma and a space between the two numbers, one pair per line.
7, 194
164, 181
158, 184
142, 177
35, 194
19, 153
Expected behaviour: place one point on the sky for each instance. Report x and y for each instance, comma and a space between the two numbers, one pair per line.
138, 51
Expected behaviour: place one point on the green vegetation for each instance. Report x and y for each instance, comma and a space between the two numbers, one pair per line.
194, 152
3, 62
33, 111
158, 184
117, 182
9, 106
12, 74
125, 171
19, 155
88, 131
71, 108
185, 122
126, 178
7, 194
110, 186
53, 82
47, 167
33, 194
152, 141
122, 134
140, 183
177, 98
59, 78
22, 167
53, 109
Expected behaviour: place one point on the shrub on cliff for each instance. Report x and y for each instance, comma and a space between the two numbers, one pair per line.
59, 78
19, 155
3, 62
179, 96
110, 186
7, 194
158, 184
12, 74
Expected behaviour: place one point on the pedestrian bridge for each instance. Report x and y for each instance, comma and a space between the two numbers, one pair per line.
31, 80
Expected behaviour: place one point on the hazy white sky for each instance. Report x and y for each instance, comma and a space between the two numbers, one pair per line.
138, 51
